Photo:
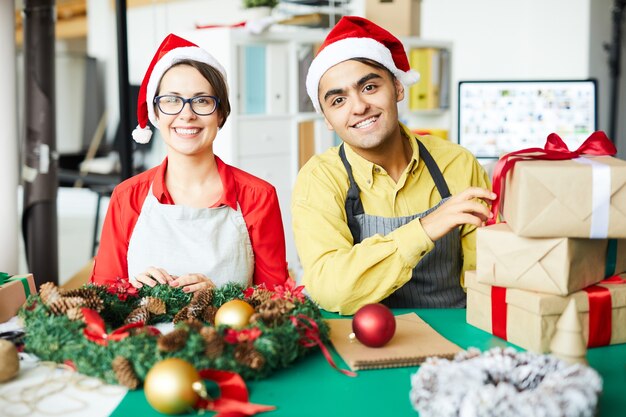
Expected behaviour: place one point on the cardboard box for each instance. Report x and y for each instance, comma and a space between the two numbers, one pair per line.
13, 293
531, 316
557, 266
400, 17
555, 198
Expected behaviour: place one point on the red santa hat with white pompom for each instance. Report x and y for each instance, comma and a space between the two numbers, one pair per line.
173, 49
356, 37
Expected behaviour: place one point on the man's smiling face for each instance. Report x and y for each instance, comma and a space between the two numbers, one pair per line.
359, 102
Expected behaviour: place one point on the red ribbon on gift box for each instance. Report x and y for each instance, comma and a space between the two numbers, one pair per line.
600, 312
556, 150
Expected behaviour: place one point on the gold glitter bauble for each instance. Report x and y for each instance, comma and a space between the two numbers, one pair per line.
9, 360
235, 314
169, 386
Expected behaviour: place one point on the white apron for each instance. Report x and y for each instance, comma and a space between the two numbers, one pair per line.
184, 240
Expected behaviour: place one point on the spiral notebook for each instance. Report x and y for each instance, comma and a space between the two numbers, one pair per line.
412, 343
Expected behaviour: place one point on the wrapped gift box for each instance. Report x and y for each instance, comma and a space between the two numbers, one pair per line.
558, 266
13, 293
531, 316
556, 198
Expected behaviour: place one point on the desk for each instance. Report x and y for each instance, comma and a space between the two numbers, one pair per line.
312, 388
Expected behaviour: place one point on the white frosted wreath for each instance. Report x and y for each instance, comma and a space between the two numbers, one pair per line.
504, 382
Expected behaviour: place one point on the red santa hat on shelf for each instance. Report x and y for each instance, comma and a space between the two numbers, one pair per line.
173, 49
356, 37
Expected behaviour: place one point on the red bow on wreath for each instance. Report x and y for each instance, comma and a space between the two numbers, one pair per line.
95, 330
234, 400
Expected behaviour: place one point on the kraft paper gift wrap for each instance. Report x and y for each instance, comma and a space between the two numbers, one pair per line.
558, 266
531, 316
13, 293
583, 197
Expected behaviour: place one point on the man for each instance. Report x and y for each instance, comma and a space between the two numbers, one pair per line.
387, 216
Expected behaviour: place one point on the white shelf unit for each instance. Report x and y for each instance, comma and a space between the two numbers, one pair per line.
437, 118
265, 141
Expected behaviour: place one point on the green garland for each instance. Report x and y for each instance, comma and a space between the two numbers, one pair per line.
57, 338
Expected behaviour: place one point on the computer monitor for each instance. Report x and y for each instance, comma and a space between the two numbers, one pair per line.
497, 117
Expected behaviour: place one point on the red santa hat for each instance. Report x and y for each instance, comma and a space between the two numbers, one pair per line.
173, 49
356, 37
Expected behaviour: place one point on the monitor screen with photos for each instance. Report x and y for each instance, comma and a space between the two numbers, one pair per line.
497, 117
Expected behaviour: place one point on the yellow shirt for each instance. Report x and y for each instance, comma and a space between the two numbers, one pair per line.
341, 276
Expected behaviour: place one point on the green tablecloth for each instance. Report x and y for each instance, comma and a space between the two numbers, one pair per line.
312, 388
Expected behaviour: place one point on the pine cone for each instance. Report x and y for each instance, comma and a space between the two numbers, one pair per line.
79, 292
140, 314
214, 344
209, 315
274, 312
93, 302
75, 314
203, 298
248, 356
195, 311
124, 372
182, 315
154, 305
173, 341
259, 296
194, 324
49, 293
63, 304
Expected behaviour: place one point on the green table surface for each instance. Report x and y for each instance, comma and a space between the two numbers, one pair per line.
310, 387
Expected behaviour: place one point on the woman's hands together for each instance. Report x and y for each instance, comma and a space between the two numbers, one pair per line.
189, 282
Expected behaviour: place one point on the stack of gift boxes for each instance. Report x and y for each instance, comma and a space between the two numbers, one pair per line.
563, 236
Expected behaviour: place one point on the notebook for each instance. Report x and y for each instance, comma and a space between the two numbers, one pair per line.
412, 343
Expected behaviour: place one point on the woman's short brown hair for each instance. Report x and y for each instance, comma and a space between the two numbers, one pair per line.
215, 78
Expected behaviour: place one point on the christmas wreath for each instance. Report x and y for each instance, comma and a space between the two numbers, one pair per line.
107, 332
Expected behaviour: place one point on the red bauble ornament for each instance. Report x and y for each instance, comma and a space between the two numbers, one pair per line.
374, 325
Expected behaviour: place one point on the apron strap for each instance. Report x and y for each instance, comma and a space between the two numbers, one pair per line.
353, 199
354, 206
434, 170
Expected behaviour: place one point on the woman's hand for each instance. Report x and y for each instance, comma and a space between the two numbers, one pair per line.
151, 277
468, 207
192, 282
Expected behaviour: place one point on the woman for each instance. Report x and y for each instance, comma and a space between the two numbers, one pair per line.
193, 221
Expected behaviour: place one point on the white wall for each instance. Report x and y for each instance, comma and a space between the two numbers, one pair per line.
507, 39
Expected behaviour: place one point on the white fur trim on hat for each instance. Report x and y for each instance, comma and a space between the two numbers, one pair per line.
142, 135
172, 57
349, 48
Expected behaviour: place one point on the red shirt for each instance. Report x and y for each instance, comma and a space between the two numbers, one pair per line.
258, 202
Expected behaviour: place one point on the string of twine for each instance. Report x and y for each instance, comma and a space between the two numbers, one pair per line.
28, 399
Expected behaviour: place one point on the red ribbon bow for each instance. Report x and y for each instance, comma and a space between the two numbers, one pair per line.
556, 150
234, 399
310, 336
95, 330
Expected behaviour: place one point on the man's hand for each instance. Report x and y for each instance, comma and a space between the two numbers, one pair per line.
460, 209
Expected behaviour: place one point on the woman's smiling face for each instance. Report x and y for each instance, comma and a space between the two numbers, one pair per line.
186, 132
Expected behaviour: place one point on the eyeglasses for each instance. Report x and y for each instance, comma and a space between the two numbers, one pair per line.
200, 105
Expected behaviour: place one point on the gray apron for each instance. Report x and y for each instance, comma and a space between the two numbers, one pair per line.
435, 281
